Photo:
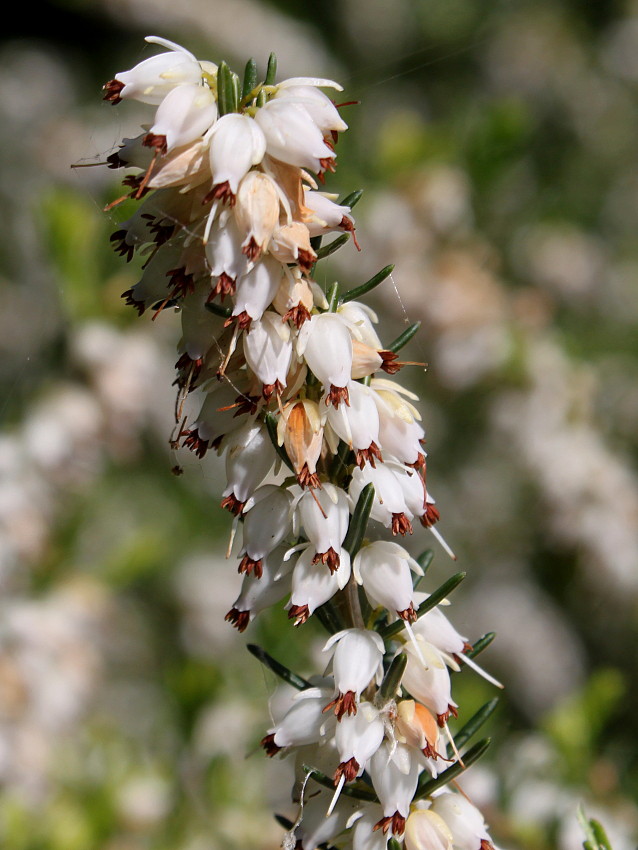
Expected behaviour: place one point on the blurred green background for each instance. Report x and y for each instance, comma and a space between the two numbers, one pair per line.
497, 143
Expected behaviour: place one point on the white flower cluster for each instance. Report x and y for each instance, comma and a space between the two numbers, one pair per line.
316, 444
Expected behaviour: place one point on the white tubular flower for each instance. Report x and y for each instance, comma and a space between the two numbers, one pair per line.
435, 628
290, 243
320, 108
236, 144
266, 523
249, 457
268, 351
225, 258
365, 360
301, 432
256, 290
417, 727
186, 113
361, 319
293, 137
357, 424
151, 80
313, 585
257, 594
294, 299
389, 506
412, 486
395, 773
429, 683
257, 212
364, 834
186, 166
303, 723
401, 439
357, 658
325, 216
464, 821
357, 738
325, 517
425, 830
326, 345
318, 829
383, 568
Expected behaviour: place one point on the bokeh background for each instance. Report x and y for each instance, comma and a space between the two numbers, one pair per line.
498, 146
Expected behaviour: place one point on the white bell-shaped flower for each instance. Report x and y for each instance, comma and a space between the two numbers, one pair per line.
394, 772
303, 723
412, 486
435, 628
326, 345
236, 144
325, 515
400, 438
267, 522
358, 738
153, 78
259, 593
361, 319
417, 727
389, 506
290, 243
318, 829
226, 261
257, 212
186, 113
427, 679
357, 424
384, 570
256, 290
268, 351
300, 431
464, 821
357, 659
249, 457
364, 834
313, 584
320, 108
426, 830
292, 136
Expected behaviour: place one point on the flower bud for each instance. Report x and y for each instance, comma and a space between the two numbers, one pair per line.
425, 830
301, 432
325, 516
257, 212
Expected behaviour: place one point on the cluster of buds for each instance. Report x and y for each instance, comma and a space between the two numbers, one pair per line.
323, 448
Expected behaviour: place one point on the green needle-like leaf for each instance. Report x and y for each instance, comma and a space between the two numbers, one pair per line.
218, 310
404, 338
352, 199
333, 246
474, 723
225, 90
393, 844
333, 297
432, 601
424, 560
481, 644
271, 426
359, 291
250, 79
427, 787
359, 521
392, 678
271, 70
359, 791
277, 668
600, 834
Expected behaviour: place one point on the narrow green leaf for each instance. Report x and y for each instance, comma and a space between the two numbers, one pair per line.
352, 199
277, 668
428, 786
600, 834
432, 601
250, 79
236, 89
315, 242
392, 678
481, 644
271, 426
225, 93
358, 790
404, 338
218, 310
333, 246
271, 71
474, 723
333, 297
359, 291
393, 844
359, 521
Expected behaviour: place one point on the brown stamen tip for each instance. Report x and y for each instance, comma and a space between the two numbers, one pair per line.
368, 455
269, 389
130, 301
328, 164
248, 566
419, 464
401, 524
350, 769
195, 443
337, 395
298, 613
113, 90
268, 743
225, 286
429, 752
408, 614
243, 321
121, 246
308, 479
233, 504
239, 619
252, 250
486, 845
306, 259
329, 557
442, 719
343, 704
221, 192
158, 142
347, 224
390, 364
297, 315
430, 517
467, 647
395, 822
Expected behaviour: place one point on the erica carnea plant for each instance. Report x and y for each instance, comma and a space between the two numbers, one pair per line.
323, 446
